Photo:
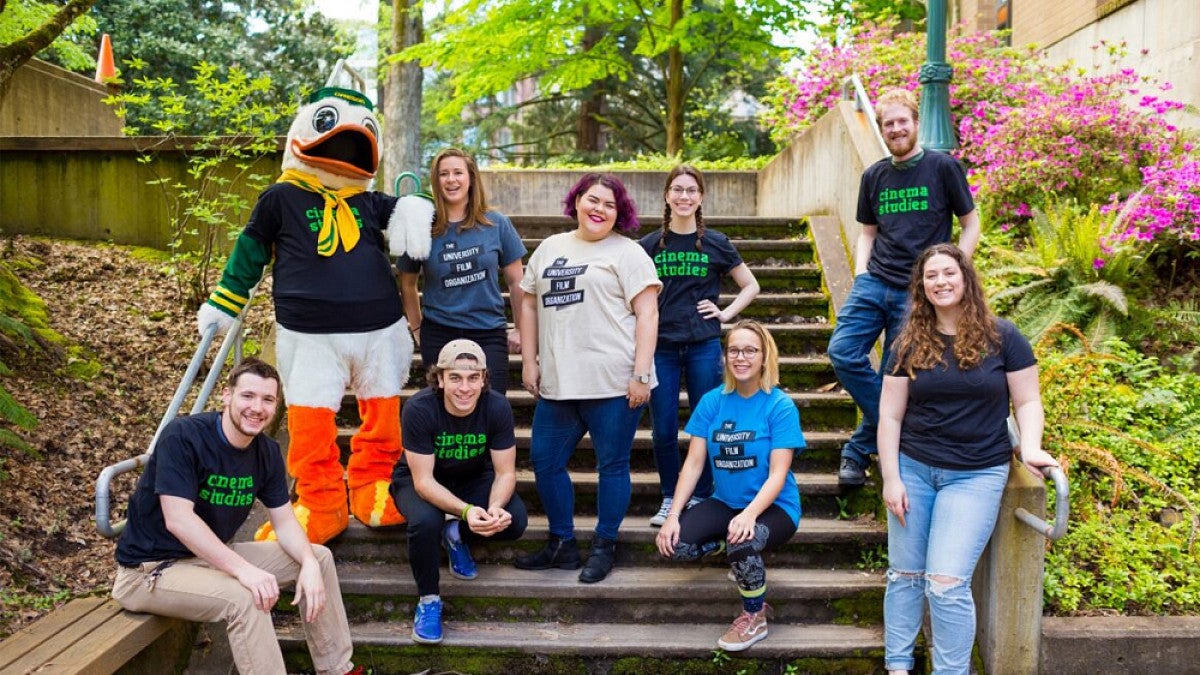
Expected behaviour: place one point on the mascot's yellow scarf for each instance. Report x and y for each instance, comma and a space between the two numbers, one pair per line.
339, 224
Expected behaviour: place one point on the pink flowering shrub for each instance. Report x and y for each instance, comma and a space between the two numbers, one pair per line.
1030, 133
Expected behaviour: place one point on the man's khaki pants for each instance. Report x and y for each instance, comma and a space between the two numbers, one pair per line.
190, 589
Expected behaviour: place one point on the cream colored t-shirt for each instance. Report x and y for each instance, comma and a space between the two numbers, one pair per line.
585, 317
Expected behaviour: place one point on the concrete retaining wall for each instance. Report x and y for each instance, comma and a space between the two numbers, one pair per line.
541, 191
45, 100
94, 188
1121, 644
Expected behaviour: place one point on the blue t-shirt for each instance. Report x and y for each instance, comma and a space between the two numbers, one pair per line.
958, 419
462, 273
741, 433
912, 208
688, 277
193, 460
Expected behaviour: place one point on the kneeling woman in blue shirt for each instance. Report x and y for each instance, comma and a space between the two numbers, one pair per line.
749, 430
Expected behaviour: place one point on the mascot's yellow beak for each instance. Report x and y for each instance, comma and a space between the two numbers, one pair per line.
349, 150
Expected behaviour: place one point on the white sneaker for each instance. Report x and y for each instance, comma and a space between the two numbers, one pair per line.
661, 517
692, 501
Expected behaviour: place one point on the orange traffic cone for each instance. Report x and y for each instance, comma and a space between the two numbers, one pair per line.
105, 68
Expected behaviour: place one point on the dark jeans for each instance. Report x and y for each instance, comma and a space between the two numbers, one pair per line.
699, 364
872, 307
558, 426
425, 523
494, 342
708, 522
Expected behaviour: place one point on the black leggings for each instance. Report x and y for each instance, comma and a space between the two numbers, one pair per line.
708, 523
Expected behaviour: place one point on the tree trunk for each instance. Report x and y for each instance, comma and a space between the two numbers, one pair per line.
402, 96
591, 104
13, 56
674, 84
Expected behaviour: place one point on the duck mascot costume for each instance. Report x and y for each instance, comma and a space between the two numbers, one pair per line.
338, 315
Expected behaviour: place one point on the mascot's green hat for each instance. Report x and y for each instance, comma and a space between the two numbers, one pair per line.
348, 95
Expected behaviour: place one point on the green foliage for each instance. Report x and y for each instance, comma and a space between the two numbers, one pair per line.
286, 42
1128, 433
614, 54
23, 327
207, 207
74, 47
1064, 273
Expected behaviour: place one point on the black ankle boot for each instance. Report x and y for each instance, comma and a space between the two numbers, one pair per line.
600, 562
560, 553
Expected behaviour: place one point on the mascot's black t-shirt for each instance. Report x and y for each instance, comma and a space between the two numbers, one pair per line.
913, 209
460, 445
688, 277
193, 460
317, 294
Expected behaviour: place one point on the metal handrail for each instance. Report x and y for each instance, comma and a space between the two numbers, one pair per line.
853, 85
1062, 496
342, 67
232, 341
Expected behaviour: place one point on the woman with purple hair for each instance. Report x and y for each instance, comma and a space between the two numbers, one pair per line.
589, 323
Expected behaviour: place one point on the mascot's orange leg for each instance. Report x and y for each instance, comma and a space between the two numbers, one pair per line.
320, 488
374, 451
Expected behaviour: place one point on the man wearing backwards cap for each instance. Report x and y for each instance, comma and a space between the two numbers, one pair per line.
460, 459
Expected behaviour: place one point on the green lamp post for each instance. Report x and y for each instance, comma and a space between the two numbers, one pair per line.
936, 130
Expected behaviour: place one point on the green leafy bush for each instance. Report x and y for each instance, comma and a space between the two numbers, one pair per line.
1128, 433
207, 208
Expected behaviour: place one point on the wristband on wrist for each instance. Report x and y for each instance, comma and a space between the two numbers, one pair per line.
466, 509
672, 514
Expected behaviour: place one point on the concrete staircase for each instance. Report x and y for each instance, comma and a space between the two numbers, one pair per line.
649, 616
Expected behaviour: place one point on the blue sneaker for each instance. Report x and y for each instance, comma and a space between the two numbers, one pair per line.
461, 563
427, 624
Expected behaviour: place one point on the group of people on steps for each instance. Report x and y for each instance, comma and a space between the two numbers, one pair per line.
607, 326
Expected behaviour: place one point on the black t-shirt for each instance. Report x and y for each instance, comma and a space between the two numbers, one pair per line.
460, 445
193, 460
913, 209
688, 277
348, 292
957, 419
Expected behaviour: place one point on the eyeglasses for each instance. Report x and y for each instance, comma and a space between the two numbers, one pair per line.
747, 352
679, 190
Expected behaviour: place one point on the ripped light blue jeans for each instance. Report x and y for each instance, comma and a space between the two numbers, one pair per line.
950, 518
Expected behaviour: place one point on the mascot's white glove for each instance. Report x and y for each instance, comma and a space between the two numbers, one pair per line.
408, 229
208, 315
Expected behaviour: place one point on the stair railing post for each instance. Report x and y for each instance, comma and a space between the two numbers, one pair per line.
1008, 582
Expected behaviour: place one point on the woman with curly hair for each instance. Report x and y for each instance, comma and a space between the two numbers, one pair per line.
588, 325
691, 260
944, 452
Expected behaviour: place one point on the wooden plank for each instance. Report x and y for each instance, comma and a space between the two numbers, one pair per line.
110, 646
51, 647
47, 628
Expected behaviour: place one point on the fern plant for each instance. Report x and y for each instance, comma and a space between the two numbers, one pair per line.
22, 327
1067, 274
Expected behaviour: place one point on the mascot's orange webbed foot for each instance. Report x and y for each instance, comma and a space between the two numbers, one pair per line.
373, 506
320, 526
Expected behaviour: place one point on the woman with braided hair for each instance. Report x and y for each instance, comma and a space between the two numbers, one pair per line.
690, 260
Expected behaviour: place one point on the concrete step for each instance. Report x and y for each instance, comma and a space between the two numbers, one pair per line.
755, 252
735, 227
819, 410
629, 595
556, 647
795, 372
818, 542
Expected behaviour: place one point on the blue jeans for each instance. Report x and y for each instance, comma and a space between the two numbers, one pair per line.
558, 427
700, 363
872, 307
950, 518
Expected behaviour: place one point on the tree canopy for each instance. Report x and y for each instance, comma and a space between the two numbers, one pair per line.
285, 40
29, 26
656, 58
